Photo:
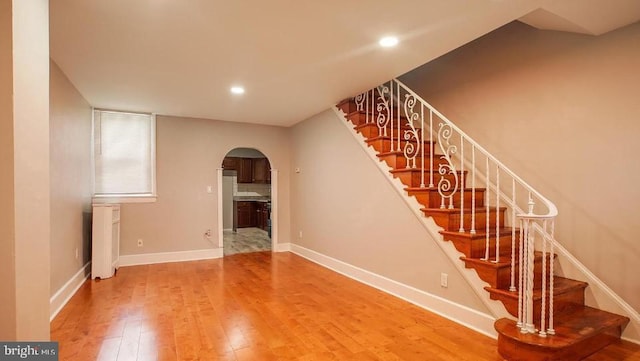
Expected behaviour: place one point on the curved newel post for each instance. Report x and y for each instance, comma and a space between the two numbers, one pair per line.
532, 225
527, 264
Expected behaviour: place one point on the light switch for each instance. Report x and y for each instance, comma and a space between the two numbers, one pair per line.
209, 189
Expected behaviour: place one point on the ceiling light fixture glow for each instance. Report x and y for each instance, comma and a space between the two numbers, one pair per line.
388, 41
237, 90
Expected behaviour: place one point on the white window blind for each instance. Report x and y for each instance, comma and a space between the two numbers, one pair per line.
124, 149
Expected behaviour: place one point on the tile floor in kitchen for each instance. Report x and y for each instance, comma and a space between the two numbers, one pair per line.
246, 240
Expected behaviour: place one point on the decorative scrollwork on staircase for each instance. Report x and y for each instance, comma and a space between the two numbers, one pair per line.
411, 147
447, 186
360, 100
384, 110
469, 214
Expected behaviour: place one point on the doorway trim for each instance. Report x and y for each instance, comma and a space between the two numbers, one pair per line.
274, 210
220, 211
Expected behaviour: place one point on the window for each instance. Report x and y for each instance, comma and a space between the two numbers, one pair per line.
124, 154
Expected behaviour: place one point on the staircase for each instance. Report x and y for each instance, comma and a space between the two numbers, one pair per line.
501, 226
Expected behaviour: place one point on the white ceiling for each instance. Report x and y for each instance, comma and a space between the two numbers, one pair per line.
294, 57
592, 17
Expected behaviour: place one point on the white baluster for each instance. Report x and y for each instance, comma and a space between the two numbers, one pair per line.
486, 206
391, 116
512, 287
543, 310
497, 214
462, 185
399, 117
430, 147
550, 330
473, 189
421, 140
530, 263
366, 108
370, 107
520, 277
528, 266
373, 105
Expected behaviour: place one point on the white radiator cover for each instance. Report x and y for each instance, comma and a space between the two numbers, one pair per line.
105, 251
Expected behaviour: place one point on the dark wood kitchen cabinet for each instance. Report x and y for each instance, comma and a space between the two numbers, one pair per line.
230, 163
245, 170
250, 214
246, 214
262, 215
250, 170
261, 170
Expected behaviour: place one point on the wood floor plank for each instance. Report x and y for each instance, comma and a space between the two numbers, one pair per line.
259, 306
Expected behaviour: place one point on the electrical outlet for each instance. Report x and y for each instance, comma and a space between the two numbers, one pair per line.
300, 234
444, 280
140, 243
77, 253
207, 233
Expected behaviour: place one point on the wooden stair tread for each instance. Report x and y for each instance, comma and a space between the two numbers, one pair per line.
417, 170
560, 285
570, 327
388, 137
464, 211
480, 233
505, 261
435, 189
579, 333
401, 152
374, 124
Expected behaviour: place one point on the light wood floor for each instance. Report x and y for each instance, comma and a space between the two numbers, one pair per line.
259, 306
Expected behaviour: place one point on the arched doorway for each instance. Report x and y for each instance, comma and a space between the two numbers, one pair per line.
246, 202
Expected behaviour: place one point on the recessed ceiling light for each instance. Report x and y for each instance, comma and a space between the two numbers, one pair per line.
388, 41
237, 90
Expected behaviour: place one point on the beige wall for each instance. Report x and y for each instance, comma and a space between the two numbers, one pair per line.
562, 110
188, 153
346, 209
24, 184
70, 156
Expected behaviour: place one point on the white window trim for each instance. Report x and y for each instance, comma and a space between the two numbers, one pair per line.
124, 198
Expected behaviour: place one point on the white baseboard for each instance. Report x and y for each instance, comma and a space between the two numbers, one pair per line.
64, 294
463, 315
165, 257
283, 247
